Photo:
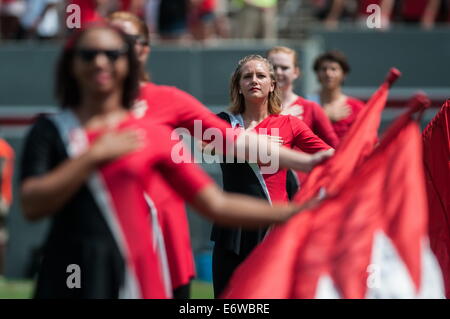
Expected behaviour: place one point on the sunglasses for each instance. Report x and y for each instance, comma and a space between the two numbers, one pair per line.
138, 39
88, 55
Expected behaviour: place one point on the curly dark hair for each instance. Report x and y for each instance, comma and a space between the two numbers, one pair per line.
333, 56
67, 90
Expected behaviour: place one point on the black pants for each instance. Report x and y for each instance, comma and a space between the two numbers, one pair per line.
224, 263
182, 292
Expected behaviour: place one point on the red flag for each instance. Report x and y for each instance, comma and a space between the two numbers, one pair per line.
6, 175
267, 273
276, 255
370, 240
436, 138
367, 240
356, 145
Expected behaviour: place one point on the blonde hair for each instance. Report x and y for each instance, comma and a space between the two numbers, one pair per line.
143, 31
237, 99
286, 50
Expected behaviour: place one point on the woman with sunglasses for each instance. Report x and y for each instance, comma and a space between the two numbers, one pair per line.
255, 106
87, 168
174, 108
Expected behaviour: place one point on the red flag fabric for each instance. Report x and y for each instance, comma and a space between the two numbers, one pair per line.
377, 244
6, 175
356, 145
268, 272
370, 238
436, 138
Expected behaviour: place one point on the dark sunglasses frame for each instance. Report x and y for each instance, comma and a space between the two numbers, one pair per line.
88, 55
139, 39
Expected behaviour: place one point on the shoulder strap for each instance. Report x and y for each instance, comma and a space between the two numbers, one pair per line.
75, 141
236, 120
224, 116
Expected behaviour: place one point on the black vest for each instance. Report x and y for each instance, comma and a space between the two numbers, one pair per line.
239, 178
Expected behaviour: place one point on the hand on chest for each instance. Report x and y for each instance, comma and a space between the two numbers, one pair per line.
135, 164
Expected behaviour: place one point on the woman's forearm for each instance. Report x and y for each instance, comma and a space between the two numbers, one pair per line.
261, 149
231, 209
44, 195
295, 160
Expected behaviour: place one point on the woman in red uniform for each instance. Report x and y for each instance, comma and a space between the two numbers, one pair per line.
88, 167
255, 106
173, 108
287, 70
331, 69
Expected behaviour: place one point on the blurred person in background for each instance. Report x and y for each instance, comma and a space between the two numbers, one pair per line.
287, 71
255, 19
331, 12
136, 7
331, 68
6, 180
151, 17
42, 19
201, 19
10, 13
222, 22
173, 21
422, 12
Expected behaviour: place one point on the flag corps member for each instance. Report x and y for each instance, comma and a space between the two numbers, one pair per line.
255, 106
174, 108
362, 241
88, 168
278, 252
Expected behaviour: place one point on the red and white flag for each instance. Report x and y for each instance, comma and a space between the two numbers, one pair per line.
356, 145
277, 254
436, 140
368, 239
371, 239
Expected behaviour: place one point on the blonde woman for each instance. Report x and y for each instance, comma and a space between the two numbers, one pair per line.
255, 106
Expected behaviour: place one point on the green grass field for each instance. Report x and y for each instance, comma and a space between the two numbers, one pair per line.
15, 289
23, 289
